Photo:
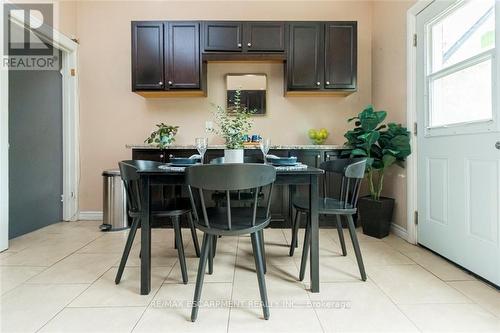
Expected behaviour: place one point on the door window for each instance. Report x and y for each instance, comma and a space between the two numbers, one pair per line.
460, 66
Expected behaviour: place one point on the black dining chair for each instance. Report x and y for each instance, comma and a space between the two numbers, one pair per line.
352, 172
130, 177
232, 221
243, 197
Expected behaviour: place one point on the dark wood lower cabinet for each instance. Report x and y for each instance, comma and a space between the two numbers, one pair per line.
281, 208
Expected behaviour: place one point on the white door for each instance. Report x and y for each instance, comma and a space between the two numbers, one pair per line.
458, 133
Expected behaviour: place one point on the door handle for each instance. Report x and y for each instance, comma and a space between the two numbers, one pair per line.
497, 145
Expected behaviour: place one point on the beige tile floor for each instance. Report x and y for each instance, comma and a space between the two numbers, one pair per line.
61, 279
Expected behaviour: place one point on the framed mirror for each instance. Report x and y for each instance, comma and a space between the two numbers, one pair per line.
253, 91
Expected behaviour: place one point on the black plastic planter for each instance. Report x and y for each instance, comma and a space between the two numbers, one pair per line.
375, 215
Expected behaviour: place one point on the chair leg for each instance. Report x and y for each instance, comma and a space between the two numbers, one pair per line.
214, 245
357, 249
263, 249
180, 248
341, 235
126, 250
295, 231
211, 254
201, 275
193, 235
305, 252
259, 265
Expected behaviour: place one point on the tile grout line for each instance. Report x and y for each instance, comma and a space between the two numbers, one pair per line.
232, 284
395, 304
417, 264
152, 298
473, 301
71, 301
308, 293
46, 268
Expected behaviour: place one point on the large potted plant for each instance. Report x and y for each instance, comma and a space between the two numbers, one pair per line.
232, 126
383, 146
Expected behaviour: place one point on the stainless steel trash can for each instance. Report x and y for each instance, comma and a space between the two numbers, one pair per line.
114, 202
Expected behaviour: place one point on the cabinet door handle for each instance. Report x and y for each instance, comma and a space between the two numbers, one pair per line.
327, 156
170, 156
327, 82
161, 155
170, 82
160, 83
318, 83
239, 44
249, 44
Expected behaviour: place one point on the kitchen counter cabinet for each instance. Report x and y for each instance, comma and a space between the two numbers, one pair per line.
281, 208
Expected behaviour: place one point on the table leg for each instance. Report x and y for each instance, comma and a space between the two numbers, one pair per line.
314, 220
145, 237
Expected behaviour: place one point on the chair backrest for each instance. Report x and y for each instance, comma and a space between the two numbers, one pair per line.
232, 177
246, 159
130, 177
352, 171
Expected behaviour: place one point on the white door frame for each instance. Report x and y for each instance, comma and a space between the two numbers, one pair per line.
411, 116
70, 122
4, 145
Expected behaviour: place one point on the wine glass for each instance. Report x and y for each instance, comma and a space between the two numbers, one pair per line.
265, 144
201, 145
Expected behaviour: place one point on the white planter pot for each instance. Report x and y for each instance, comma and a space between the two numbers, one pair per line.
233, 155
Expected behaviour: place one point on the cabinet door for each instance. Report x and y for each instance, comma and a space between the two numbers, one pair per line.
312, 158
304, 63
147, 56
157, 155
222, 36
264, 37
182, 49
340, 55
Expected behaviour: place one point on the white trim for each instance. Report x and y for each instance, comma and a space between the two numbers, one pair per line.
411, 117
399, 231
70, 129
4, 145
90, 216
71, 142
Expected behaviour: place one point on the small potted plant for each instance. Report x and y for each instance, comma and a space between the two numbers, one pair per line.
163, 136
383, 146
232, 127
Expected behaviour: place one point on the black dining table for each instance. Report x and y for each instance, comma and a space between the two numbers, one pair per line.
151, 177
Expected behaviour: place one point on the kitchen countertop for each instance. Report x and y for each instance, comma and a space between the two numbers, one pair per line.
321, 147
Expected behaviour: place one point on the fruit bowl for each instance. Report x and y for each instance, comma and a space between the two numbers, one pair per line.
318, 137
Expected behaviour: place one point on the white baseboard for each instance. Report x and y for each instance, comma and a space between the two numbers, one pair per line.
399, 231
90, 216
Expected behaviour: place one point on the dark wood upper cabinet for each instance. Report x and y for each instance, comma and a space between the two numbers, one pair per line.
147, 56
182, 55
340, 55
264, 37
305, 55
170, 58
222, 36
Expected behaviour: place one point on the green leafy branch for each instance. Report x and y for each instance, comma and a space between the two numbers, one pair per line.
233, 125
163, 136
